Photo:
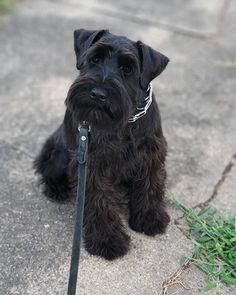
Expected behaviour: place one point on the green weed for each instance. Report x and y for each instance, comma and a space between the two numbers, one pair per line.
5, 5
230, 65
214, 239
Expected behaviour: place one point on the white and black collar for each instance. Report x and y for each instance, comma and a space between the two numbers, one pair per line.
142, 110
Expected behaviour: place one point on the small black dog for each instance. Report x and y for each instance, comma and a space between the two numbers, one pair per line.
126, 156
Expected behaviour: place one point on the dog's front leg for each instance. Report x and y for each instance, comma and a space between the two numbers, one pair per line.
104, 233
147, 206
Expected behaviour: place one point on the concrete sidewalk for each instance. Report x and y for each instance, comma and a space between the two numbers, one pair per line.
196, 95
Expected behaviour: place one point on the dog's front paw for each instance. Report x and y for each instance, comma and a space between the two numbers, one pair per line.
151, 222
108, 246
58, 192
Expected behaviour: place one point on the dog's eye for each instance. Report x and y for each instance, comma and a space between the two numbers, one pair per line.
126, 69
95, 59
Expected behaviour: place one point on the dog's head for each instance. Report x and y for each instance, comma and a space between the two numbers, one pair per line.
114, 75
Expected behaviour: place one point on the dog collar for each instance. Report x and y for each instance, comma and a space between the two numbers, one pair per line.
142, 110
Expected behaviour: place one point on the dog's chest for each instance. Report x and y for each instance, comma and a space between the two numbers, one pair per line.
114, 151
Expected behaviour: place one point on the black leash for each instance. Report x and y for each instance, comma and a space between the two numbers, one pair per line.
82, 169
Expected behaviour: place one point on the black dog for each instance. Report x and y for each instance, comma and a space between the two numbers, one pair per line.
126, 157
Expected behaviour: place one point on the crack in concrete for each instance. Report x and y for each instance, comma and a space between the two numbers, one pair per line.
215, 191
18, 149
164, 26
140, 20
221, 18
219, 183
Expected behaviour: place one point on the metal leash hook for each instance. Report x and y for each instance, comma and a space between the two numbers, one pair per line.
84, 131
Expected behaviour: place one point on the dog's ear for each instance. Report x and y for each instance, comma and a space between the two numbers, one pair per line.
152, 63
83, 39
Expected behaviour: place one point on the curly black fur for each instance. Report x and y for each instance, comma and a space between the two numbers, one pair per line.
126, 161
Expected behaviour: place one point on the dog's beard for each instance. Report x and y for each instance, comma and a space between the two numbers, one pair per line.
111, 113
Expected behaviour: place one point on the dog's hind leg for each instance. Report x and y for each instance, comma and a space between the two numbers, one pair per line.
51, 164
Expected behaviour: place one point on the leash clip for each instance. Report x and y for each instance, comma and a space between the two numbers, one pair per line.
84, 130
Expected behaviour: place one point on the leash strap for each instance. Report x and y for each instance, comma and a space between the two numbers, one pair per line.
82, 169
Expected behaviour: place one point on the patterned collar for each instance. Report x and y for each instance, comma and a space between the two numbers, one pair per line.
142, 110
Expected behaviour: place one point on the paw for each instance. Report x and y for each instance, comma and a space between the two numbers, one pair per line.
151, 222
109, 246
57, 192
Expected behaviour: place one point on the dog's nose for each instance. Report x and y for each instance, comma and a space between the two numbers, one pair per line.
98, 93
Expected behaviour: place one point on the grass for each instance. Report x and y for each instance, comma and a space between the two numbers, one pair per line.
230, 65
214, 239
5, 5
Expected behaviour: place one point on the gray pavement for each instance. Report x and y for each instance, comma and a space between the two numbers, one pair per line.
196, 95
